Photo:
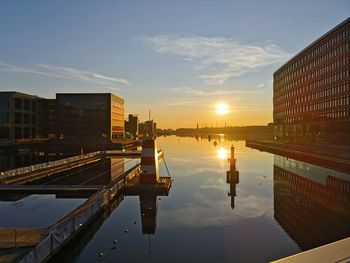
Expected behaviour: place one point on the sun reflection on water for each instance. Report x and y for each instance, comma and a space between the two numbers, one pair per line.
222, 153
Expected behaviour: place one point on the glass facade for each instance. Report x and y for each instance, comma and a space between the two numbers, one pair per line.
311, 92
90, 115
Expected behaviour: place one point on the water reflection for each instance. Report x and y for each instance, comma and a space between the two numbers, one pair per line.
274, 215
222, 153
232, 177
311, 203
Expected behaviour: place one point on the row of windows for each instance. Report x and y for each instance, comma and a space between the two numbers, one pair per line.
333, 115
24, 118
322, 105
19, 118
323, 46
329, 79
118, 114
294, 79
25, 133
303, 95
25, 104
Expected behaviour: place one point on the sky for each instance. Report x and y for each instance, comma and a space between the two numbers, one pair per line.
178, 59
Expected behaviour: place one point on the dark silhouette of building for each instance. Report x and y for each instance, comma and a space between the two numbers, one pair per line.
90, 115
148, 128
311, 203
311, 92
47, 118
132, 125
24, 116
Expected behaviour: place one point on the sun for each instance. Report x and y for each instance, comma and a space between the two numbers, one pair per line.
221, 108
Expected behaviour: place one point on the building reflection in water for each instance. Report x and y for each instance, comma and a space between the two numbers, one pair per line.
311, 203
232, 177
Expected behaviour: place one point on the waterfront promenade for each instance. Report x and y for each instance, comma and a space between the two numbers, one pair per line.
331, 156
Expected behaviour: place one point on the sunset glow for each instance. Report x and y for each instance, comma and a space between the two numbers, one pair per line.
221, 109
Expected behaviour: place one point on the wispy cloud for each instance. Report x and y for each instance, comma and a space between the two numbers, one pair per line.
218, 59
64, 73
212, 93
261, 85
187, 96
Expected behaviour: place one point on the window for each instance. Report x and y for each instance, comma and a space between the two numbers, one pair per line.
26, 133
26, 118
4, 102
4, 117
33, 106
4, 132
18, 104
18, 133
26, 104
18, 118
33, 119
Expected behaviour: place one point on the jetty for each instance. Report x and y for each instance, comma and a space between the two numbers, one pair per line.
40, 244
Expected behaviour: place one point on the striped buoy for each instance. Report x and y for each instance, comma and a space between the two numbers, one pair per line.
149, 162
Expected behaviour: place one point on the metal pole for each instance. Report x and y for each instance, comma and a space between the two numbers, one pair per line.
15, 238
166, 166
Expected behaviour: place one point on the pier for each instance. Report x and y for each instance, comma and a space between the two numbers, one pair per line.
41, 243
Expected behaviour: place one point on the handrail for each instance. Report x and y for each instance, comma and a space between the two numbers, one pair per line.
37, 167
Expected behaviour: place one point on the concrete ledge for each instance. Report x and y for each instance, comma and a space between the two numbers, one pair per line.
338, 251
327, 159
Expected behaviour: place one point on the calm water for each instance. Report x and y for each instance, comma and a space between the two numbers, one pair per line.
40, 210
277, 207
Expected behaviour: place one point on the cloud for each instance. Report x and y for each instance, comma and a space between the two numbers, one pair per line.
218, 59
204, 98
261, 85
64, 73
204, 93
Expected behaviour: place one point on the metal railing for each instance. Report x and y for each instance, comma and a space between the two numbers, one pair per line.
61, 231
41, 166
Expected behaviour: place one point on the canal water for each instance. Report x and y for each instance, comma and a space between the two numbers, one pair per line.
41, 210
273, 208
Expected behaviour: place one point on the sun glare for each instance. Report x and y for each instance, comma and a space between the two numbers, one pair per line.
221, 109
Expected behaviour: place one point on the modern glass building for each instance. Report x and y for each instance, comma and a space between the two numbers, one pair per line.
311, 92
90, 115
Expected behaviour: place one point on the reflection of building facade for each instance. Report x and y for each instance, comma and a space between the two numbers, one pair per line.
311, 92
311, 203
90, 115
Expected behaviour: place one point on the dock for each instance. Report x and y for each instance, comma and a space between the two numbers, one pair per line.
41, 244
329, 159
